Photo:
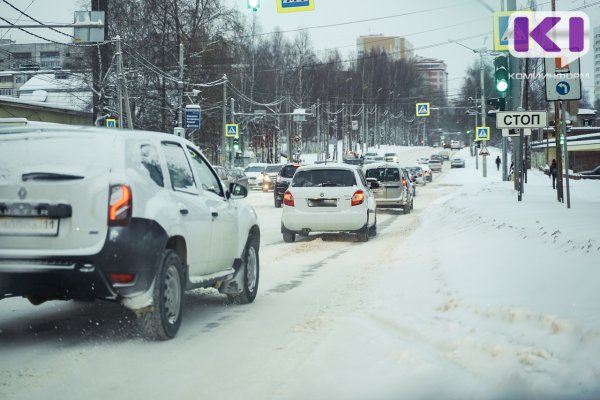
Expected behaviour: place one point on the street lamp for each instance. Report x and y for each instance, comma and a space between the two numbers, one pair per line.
253, 5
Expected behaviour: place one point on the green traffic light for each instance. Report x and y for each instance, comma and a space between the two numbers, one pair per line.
501, 73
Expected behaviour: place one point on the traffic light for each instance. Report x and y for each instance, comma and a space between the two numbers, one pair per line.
497, 103
236, 144
501, 73
253, 5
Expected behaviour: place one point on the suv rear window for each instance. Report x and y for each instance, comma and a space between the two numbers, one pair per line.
288, 171
384, 174
324, 178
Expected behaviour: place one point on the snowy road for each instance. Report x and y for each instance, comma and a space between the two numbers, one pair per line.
438, 305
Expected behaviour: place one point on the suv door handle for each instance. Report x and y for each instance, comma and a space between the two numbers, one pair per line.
184, 211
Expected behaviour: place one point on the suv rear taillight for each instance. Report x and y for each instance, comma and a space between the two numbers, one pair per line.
120, 205
288, 199
358, 198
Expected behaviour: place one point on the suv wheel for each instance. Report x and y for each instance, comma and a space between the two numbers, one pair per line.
164, 319
289, 237
250, 271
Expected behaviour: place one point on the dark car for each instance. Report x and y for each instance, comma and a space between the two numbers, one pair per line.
286, 173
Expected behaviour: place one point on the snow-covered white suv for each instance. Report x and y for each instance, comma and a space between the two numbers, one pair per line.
131, 216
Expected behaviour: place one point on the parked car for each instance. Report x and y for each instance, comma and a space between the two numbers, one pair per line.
394, 189
594, 173
435, 165
457, 163
390, 157
254, 173
135, 223
269, 176
328, 198
422, 160
284, 177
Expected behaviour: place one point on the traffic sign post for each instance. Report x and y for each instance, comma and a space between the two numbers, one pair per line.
423, 110
521, 119
482, 133
562, 82
231, 130
192, 116
285, 6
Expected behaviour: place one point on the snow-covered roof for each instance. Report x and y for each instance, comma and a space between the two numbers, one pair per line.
61, 90
586, 111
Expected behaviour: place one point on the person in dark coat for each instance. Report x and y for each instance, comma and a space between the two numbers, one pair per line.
498, 161
553, 170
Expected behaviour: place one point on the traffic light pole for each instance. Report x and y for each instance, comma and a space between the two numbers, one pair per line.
482, 83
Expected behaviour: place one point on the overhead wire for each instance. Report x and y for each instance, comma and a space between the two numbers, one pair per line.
33, 19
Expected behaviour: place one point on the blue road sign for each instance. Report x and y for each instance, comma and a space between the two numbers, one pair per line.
483, 133
423, 110
192, 117
231, 130
295, 5
563, 88
111, 122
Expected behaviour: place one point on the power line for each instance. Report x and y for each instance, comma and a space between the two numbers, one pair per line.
33, 19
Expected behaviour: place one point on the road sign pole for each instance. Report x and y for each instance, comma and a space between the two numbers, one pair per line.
563, 130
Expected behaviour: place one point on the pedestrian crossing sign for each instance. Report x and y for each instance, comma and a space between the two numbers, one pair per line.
423, 110
231, 130
483, 133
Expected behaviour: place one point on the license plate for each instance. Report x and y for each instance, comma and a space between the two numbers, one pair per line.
322, 202
28, 226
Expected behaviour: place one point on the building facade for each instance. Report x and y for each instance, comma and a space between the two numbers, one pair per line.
396, 47
435, 76
19, 56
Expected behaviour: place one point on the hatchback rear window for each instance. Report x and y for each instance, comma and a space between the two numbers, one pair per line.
324, 178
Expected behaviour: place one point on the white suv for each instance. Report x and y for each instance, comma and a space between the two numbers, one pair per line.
131, 216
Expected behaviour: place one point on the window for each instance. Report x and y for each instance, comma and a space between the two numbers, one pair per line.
324, 178
151, 163
180, 172
49, 59
6, 79
208, 181
6, 92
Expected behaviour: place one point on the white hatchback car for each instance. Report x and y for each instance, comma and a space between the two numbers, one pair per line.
328, 198
130, 216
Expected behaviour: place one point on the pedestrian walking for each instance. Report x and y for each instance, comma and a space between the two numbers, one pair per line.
498, 162
553, 170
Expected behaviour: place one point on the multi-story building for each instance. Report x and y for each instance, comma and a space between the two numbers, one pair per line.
597, 62
396, 47
17, 56
435, 76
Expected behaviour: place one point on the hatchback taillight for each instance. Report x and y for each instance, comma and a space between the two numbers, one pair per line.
288, 199
358, 198
120, 205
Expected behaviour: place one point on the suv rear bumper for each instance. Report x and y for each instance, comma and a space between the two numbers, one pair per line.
132, 249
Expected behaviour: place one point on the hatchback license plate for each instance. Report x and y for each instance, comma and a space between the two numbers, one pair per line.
28, 226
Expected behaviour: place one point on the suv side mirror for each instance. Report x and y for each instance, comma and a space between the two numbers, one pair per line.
237, 191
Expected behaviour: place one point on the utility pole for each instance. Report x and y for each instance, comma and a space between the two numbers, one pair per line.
557, 129
515, 103
122, 88
231, 149
180, 87
482, 83
223, 129
100, 63
318, 129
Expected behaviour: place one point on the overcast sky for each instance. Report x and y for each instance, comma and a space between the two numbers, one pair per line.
428, 25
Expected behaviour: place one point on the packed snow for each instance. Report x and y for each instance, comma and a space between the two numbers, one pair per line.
474, 295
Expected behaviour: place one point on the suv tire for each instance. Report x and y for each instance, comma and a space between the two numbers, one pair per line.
250, 271
363, 234
373, 229
289, 237
164, 319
